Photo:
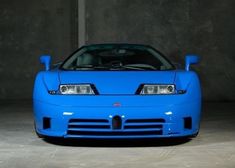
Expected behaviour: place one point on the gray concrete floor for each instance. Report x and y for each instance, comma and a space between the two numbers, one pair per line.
19, 146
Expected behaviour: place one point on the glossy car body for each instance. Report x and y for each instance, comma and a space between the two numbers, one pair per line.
117, 109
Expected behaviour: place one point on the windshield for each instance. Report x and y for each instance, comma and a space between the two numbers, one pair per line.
116, 58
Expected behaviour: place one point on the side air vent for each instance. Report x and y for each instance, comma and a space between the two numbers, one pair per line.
46, 123
188, 123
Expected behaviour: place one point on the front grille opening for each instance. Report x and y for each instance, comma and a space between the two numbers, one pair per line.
117, 127
88, 120
142, 126
46, 123
158, 120
188, 123
117, 122
115, 133
90, 126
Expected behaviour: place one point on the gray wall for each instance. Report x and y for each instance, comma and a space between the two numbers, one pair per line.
29, 28
175, 27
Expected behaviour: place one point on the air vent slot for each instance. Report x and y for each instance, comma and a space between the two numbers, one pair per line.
188, 123
46, 123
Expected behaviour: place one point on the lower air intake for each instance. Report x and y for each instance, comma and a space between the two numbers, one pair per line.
115, 133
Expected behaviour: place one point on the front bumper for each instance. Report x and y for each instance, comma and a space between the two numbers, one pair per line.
162, 120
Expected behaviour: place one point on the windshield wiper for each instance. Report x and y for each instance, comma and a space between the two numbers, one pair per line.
140, 66
89, 66
116, 67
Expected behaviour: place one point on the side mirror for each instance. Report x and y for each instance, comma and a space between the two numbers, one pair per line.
46, 60
190, 59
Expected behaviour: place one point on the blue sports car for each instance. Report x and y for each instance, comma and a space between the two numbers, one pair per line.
117, 91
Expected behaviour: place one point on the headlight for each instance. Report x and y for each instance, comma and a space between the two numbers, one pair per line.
82, 89
157, 89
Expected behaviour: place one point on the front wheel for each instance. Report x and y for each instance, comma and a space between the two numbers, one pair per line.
194, 135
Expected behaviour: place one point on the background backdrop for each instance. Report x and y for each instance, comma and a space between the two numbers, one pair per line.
30, 28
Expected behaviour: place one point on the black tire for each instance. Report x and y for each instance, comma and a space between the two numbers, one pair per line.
39, 135
194, 135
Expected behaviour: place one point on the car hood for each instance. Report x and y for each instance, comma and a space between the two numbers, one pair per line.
117, 82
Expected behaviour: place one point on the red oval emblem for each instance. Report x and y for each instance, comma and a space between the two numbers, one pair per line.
117, 104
